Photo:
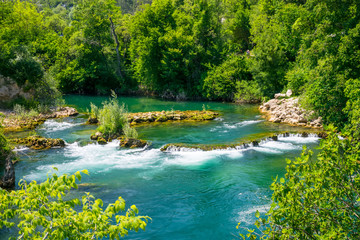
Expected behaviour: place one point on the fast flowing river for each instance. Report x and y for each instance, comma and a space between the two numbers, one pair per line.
188, 194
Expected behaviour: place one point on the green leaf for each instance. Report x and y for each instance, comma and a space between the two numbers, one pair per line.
78, 175
257, 214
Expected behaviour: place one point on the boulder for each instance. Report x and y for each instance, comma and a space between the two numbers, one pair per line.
95, 136
101, 141
93, 120
288, 93
132, 142
279, 95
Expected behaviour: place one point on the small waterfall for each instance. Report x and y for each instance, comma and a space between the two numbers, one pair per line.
282, 141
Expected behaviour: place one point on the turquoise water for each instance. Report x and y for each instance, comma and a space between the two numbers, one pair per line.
188, 194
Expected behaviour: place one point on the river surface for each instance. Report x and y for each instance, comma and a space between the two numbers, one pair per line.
188, 194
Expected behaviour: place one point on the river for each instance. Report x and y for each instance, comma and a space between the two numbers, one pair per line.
188, 194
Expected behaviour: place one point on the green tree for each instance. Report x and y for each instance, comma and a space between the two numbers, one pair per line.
47, 211
174, 43
27, 49
277, 41
222, 81
317, 199
90, 61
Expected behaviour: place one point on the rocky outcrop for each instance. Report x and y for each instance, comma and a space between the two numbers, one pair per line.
132, 142
8, 180
288, 110
12, 122
9, 90
39, 143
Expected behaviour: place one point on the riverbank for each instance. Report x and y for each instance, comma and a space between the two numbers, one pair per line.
14, 122
288, 110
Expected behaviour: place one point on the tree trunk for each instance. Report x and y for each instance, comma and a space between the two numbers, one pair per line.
8, 180
117, 48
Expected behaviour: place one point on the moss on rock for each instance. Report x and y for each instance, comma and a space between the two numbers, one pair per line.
132, 142
101, 140
39, 143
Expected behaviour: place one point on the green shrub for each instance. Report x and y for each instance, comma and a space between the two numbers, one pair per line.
113, 119
94, 111
21, 112
4, 146
130, 132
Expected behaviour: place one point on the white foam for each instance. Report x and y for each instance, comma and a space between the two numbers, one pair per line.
266, 150
297, 139
109, 155
246, 123
278, 145
192, 158
248, 215
20, 149
228, 125
53, 126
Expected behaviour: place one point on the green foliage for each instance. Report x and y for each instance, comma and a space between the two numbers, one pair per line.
248, 91
222, 80
317, 199
26, 50
172, 44
4, 145
47, 211
94, 111
113, 119
21, 112
130, 132
87, 61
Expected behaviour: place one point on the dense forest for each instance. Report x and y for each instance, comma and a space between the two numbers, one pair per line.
217, 50
220, 50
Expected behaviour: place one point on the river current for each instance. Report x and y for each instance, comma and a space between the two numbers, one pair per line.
188, 194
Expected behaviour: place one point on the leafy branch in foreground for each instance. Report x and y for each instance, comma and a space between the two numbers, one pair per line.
316, 199
45, 211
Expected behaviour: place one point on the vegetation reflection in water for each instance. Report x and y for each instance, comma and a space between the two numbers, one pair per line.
188, 195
